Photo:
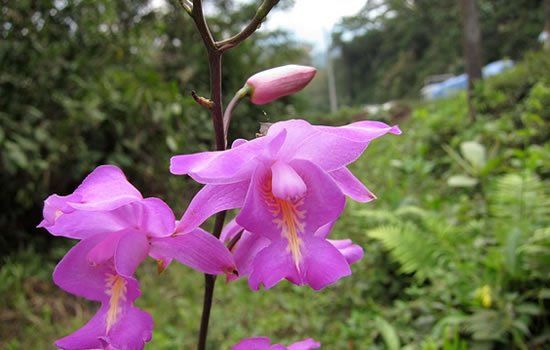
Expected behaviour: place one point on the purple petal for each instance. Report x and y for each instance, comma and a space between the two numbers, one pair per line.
131, 250
265, 214
84, 224
351, 252
257, 215
106, 188
87, 337
77, 276
222, 167
262, 343
258, 343
335, 147
328, 147
133, 330
151, 215
307, 344
197, 249
351, 186
361, 131
323, 263
276, 143
162, 261
296, 131
324, 230
210, 200
121, 293
157, 219
133, 327
193, 163
272, 264
117, 321
55, 206
105, 249
286, 183
244, 252
230, 230
238, 142
323, 202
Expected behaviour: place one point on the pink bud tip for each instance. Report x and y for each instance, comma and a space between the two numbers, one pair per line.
271, 84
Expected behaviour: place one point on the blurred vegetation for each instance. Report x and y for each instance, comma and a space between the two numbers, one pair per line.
457, 247
85, 83
389, 48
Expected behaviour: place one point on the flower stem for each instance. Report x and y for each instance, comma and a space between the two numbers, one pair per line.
215, 51
230, 107
215, 59
209, 283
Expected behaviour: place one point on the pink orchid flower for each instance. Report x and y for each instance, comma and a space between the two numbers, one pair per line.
250, 258
263, 343
118, 228
289, 184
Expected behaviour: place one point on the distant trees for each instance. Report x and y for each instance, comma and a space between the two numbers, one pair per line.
472, 46
394, 45
85, 83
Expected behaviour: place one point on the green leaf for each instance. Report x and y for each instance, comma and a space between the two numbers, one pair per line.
511, 254
461, 181
388, 333
459, 160
475, 153
528, 308
521, 326
171, 143
544, 293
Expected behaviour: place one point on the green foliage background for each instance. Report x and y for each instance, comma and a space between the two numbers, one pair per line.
85, 83
457, 247
396, 44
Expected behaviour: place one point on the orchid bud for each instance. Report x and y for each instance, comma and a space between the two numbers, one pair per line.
271, 84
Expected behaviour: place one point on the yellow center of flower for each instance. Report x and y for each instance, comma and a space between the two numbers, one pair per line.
289, 219
58, 213
116, 288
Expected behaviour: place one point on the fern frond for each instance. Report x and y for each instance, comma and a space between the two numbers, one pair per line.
377, 217
519, 197
536, 253
416, 252
412, 213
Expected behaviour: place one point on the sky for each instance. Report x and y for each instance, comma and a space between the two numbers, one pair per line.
308, 19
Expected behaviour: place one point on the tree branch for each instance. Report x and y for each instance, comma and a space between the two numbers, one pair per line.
200, 21
261, 13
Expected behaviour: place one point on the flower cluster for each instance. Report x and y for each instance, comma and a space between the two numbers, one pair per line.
290, 186
118, 229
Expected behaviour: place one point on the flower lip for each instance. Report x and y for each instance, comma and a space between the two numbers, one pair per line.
286, 183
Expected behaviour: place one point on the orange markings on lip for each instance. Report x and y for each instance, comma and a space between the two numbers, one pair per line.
58, 213
116, 288
288, 217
